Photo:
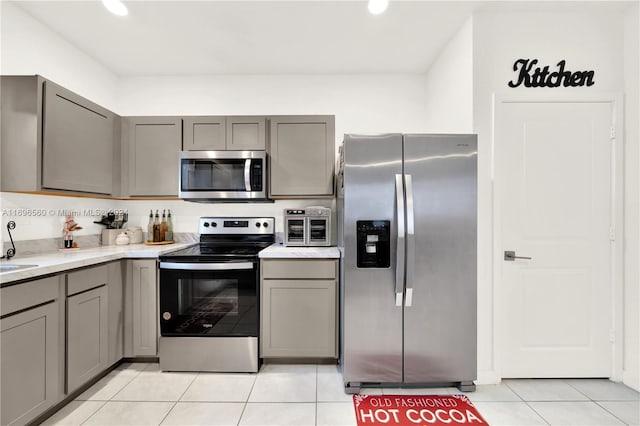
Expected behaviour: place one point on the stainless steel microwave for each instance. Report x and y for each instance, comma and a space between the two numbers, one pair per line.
223, 175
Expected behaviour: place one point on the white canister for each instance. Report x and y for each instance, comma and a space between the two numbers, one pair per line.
135, 235
122, 239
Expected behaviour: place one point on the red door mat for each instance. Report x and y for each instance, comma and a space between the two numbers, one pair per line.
415, 410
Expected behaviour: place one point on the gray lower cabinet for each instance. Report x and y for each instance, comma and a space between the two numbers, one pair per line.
150, 154
77, 143
87, 325
87, 336
298, 308
301, 156
30, 346
233, 133
141, 312
115, 295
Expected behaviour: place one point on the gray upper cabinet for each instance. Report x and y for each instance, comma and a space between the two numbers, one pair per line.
203, 133
77, 144
246, 133
53, 139
150, 154
302, 156
219, 133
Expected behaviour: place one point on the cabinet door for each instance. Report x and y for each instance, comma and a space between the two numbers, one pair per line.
203, 133
298, 318
87, 330
144, 308
246, 133
77, 143
30, 361
154, 144
302, 155
115, 291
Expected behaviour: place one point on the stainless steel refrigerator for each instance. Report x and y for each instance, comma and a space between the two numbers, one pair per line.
407, 227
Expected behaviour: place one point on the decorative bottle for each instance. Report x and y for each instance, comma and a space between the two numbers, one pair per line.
163, 226
156, 228
150, 227
169, 234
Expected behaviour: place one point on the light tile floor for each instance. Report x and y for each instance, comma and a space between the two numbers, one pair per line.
140, 394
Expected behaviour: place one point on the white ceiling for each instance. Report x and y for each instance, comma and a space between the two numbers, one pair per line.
265, 37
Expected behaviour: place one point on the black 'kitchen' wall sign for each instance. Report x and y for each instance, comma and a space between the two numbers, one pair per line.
542, 77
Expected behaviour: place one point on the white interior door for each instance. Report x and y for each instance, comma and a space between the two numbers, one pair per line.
553, 189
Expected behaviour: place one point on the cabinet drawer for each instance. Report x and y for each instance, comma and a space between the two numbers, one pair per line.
308, 269
26, 295
86, 279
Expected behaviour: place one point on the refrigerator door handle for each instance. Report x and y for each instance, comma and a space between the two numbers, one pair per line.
411, 240
400, 249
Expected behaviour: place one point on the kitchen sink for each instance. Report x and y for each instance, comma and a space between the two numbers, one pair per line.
9, 267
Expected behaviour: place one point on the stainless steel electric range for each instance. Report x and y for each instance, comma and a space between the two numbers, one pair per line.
209, 304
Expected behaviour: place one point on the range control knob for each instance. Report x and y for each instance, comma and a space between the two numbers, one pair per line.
257, 224
214, 224
265, 224
206, 225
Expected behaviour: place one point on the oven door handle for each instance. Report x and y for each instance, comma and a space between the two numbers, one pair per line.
226, 266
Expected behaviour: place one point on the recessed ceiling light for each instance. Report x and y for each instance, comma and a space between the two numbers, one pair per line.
376, 7
116, 7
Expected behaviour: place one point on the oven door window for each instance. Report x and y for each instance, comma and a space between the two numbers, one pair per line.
209, 303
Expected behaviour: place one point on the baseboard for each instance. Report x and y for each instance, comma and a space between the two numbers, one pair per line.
630, 379
488, 377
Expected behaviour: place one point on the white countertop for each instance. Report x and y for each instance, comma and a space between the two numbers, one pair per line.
279, 251
63, 260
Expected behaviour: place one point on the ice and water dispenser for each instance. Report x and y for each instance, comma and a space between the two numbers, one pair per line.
373, 243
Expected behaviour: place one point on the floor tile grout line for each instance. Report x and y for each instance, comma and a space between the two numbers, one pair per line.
133, 377
92, 414
536, 411
180, 397
244, 408
610, 412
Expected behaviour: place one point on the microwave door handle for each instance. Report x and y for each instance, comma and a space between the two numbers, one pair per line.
247, 174
225, 266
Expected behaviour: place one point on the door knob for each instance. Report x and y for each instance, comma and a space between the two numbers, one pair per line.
510, 256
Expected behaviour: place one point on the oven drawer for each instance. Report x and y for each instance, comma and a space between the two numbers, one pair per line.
308, 269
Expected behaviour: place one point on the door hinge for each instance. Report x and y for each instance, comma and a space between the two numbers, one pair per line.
612, 133
612, 234
612, 335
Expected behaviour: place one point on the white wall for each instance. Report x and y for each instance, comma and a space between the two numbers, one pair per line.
631, 374
449, 85
361, 103
27, 47
591, 41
